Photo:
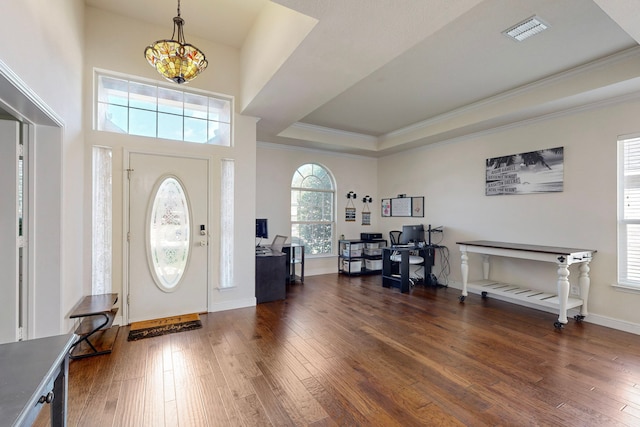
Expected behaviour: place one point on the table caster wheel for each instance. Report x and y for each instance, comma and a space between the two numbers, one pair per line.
558, 325
461, 298
484, 294
579, 318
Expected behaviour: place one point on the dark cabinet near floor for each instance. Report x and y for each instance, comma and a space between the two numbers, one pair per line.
271, 277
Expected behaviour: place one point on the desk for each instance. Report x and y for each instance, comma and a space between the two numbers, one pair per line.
271, 277
32, 373
401, 279
561, 257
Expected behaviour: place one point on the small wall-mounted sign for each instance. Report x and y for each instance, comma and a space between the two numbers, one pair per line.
366, 213
350, 210
350, 214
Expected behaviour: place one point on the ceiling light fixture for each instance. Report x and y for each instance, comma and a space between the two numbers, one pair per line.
176, 60
525, 29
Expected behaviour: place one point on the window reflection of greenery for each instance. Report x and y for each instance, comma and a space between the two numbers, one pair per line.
312, 209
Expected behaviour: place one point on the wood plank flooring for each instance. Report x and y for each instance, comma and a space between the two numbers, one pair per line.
344, 351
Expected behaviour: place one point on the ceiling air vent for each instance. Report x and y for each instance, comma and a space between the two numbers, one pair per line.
525, 29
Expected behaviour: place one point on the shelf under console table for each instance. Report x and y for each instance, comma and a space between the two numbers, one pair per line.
563, 258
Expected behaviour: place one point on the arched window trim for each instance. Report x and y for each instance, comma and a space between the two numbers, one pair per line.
305, 231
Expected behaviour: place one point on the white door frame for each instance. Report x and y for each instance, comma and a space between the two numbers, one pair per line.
126, 223
43, 254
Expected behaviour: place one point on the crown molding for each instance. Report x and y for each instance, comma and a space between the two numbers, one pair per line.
319, 151
522, 90
17, 92
323, 134
582, 99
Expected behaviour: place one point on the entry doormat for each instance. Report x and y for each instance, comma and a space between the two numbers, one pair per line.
166, 325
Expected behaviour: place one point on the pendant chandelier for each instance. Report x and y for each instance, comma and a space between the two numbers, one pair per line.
176, 60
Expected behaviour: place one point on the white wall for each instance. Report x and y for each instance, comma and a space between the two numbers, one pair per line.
116, 44
275, 168
44, 49
451, 177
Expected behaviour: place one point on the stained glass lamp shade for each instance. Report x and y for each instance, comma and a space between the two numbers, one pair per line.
176, 60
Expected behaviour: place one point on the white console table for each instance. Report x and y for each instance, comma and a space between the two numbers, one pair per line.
562, 257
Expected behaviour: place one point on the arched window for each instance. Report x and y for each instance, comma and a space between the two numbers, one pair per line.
312, 209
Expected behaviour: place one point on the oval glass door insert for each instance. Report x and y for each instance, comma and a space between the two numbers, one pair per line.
169, 234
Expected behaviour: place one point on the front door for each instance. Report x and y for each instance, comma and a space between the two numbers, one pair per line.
168, 236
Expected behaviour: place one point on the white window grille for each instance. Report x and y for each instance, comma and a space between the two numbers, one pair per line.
147, 108
313, 209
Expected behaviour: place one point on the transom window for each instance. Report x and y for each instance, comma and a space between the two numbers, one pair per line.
149, 109
313, 209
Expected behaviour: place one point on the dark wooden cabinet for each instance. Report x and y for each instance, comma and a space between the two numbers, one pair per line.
271, 277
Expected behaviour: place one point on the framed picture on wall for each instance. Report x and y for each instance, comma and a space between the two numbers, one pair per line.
401, 206
386, 207
417, 206
540, 171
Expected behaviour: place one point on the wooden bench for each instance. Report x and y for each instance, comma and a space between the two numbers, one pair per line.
95, 332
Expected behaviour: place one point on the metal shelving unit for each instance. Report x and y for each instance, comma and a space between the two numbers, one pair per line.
359, 256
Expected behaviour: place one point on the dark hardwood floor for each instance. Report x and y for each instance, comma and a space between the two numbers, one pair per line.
348, 352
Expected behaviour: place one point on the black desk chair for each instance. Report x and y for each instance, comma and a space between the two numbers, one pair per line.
394, 237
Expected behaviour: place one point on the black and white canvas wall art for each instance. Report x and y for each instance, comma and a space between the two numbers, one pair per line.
540, 171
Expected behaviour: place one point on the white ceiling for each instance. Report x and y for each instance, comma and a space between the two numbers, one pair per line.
371, 70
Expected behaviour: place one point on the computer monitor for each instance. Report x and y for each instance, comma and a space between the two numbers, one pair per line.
261, 228
412, 234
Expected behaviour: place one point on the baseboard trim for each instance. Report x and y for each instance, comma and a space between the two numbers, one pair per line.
233, 304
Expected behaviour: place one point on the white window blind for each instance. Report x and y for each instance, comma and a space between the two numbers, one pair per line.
629, 212
227, 223
102, 205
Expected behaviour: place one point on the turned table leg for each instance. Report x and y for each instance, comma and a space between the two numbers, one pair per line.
584, 282
485, 267
563, 289
464, 266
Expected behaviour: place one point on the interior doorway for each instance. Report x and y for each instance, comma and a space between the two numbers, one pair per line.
31, 228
